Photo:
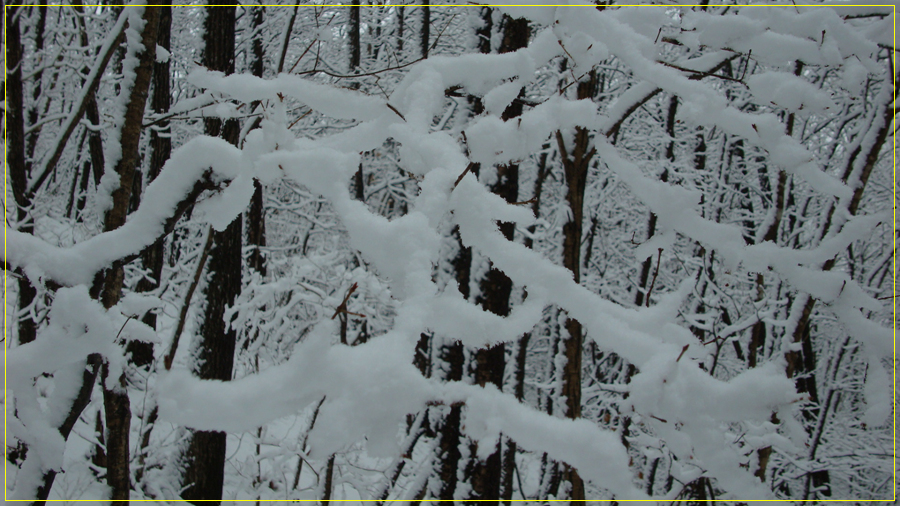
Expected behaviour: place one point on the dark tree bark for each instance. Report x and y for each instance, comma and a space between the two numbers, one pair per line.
15, 159
160, 151
355, 49
115, 400
92, 111
426, 28
256, 216
37, 79
401, 19
575, 165
78, 111
509, 453
496, 287
802, 364
450, 456
205, 456
452, 356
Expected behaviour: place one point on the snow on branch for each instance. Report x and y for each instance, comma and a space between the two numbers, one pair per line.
202, 164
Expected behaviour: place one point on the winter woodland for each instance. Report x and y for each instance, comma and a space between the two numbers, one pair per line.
392, 252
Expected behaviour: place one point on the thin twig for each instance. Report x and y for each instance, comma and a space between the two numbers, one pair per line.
342, 308
682, 352
701, 74
655, 273
461, 176
395, 110
307, 113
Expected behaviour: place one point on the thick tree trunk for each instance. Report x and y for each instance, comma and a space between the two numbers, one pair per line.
33, 111
355, 49
496, 287
425, 42
15, 159
453, 358
575, 165
160, 151
205, 456
115, 400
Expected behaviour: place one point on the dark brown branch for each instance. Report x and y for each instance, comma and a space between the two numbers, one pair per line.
655, 273
461, 176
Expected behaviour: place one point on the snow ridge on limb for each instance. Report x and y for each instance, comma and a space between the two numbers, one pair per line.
79, 327
179, 177
704, 104
403, 250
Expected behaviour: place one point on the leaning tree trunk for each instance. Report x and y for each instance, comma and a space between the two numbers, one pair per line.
205, 456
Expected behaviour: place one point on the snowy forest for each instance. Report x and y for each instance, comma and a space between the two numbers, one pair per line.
381, 253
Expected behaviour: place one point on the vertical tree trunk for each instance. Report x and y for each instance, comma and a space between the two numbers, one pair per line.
205, 457
95, 141
576, 166
509, 453
115, 400
495, 286
355, 49
401, 19
160, 151
329, 481
758, 333
256, 216
15, 159
802, 364
426, 28
36, 90
453, 357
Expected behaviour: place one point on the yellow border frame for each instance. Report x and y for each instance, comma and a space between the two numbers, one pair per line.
893, 238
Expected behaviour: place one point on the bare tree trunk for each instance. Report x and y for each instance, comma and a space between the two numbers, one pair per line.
161, 150
355, 48
509, 453
496, 287
329, 481
401, 19
426, 28
576, 166
452, 356
115, 400
95, 141
15, 159
38, 77
802, 364
256, 216
205, 457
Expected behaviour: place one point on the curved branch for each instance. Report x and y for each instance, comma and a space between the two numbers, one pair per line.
204, 163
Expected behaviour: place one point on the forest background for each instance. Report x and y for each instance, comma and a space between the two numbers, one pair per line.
436, 251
